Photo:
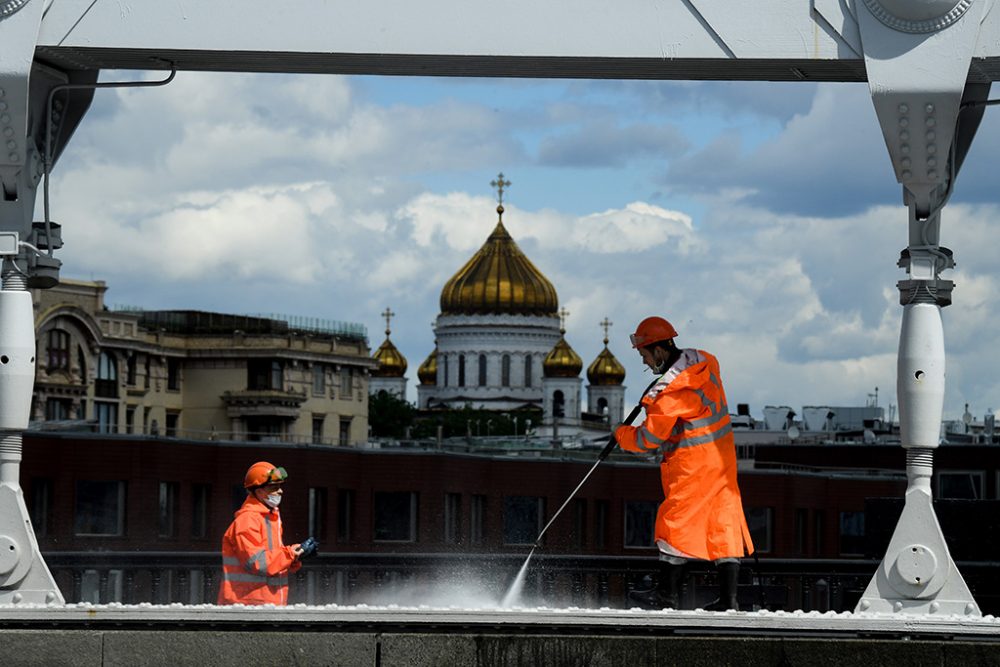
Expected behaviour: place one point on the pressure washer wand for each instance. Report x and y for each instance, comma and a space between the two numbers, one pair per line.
612, 443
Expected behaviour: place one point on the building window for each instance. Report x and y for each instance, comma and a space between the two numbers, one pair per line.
477, 519
173, 374
57, 350
41, 505
130, 419
317, 513
200, 496
505, 370
344, 438
640, 520
345, 383
167, 517
147, 366
453, 518
345, 515
760, 522
579, 536
107, 416
99, 508
461, 370
801, 528
819, 526
317, 428
852, 533
130, 370
482, 370
522, 519
558, 404
107, 376
319, 380
238, 495
265, 375
527, 371
602, 512
57, 408
173, 419
395, 516
445, 365
81, 363
961, 485
265, 429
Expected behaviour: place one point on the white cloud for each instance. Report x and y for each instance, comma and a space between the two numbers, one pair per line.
300, 195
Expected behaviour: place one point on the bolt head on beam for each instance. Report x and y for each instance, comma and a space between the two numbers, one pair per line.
918, 16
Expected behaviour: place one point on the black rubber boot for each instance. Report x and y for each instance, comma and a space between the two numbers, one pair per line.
729, 574
666, 594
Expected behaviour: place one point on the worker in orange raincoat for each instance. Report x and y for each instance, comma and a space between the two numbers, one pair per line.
255, 562
687, 422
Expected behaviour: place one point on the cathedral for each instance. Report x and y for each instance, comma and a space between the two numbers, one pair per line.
500, 344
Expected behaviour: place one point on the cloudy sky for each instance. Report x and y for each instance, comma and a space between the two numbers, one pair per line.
762, 219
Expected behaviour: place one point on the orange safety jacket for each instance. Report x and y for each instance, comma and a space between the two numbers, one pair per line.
255, 562
687, 421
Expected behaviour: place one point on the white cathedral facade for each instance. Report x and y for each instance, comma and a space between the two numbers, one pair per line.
500, 345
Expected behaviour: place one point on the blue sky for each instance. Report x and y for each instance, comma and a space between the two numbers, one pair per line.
761, 218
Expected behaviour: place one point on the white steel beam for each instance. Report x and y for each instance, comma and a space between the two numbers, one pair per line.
928, 64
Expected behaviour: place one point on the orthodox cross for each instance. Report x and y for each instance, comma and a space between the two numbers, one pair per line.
388, 315
500, 184
563, 314
605, 324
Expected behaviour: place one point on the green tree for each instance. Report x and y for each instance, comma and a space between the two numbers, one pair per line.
468, 421
388, 415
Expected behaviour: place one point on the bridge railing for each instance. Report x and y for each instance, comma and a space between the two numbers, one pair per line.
480, 580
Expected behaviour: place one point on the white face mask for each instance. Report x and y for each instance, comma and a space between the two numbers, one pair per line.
273, 500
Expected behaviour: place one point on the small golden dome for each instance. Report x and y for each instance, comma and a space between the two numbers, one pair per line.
562, 361
499, 278
605, 369
391, 363
427, 373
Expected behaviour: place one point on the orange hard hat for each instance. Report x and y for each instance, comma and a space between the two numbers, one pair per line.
262, 473
652, 330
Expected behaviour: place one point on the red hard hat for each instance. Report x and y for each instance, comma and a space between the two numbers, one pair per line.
262, 473
652, 330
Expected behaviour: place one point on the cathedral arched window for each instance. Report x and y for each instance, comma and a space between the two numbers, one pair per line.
482, 370
527, 370
505, 370
444, 357
461, 370
558, 404
602, 405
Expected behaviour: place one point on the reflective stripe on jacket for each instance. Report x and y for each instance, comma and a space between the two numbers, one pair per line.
687, 422
255, 561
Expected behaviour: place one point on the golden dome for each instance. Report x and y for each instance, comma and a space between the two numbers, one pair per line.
499, 278
391, 363
427, 373
605, 369
562, 361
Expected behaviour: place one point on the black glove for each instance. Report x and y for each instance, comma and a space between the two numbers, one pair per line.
309, 547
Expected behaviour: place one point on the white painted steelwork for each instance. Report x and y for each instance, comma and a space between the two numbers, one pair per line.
797, 623
928, 63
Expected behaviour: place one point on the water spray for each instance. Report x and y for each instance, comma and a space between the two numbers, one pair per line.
515, 589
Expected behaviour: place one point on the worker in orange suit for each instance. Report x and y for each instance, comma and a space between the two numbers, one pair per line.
687, 423
255, 561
